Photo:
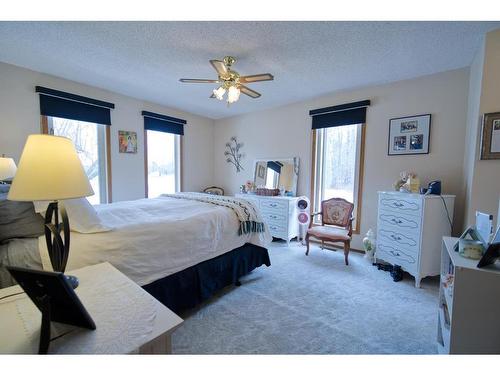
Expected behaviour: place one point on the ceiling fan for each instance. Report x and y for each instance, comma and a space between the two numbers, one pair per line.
230, 81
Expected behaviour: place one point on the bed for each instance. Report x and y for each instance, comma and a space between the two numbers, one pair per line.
180, 248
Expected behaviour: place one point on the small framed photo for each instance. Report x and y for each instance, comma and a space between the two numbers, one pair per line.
409, 135
490, 139
127, 142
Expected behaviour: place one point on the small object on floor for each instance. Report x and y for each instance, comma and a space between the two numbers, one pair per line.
395, 271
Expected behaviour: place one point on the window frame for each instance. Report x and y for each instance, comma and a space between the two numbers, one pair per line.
314, 173
178, 163
44, 127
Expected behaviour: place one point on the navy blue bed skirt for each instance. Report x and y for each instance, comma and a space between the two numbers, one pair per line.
188, 288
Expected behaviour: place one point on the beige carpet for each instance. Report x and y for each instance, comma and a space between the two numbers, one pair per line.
314, 305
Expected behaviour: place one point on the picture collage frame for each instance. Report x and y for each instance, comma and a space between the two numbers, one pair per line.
409, 135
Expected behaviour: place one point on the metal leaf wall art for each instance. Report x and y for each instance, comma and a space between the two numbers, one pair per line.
233, 153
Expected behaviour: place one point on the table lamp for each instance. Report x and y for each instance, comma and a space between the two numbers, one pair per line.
50, 170
7, 169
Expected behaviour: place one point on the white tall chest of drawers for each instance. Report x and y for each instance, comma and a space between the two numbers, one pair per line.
410, 228
279, 213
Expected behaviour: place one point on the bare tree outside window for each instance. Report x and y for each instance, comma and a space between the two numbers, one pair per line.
337, 164
86, 138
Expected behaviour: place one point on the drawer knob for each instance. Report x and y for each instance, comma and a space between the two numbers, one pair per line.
397, 221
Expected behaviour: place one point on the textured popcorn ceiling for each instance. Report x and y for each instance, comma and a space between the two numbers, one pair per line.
308, 59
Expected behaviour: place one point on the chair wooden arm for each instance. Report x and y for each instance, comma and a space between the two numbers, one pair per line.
349, 226
312, 217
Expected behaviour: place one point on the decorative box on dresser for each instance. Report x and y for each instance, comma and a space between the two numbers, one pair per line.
468, 306
409, 231
279, 213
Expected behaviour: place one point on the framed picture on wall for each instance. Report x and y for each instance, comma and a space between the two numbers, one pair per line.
127, 142
409, 135
490, 139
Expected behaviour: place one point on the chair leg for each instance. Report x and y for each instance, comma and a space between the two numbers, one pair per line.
307, 244
347, 246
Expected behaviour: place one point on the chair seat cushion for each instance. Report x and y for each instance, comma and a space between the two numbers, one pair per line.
332, 233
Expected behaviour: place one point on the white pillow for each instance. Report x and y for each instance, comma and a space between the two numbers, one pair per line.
82, 215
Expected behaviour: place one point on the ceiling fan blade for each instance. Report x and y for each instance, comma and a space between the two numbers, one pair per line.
196, 80
220, 67
248, 91
257, 78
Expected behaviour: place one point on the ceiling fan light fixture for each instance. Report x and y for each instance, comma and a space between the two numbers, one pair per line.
233, 94
219, 93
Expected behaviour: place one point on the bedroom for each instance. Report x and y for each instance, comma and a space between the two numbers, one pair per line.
328, 302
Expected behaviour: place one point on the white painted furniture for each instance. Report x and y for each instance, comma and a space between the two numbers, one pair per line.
468, 308
128, 319
409, 231
280, 214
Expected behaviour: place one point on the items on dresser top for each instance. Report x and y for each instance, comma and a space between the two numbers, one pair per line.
267, 192
281, 174
279, 213
409, 231
128, 319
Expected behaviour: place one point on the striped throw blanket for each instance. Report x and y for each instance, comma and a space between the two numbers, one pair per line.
249, 218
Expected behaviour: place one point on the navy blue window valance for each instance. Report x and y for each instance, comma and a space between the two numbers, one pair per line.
162, 123
339, 115
275, 166
75, 107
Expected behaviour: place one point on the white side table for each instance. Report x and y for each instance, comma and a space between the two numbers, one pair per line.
128, 319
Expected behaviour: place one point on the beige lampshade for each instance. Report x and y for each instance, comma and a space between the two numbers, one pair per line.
7, 168
49, 169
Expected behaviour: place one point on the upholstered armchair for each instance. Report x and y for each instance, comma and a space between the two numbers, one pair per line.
336, 224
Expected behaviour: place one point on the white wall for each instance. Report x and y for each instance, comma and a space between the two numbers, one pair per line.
20, 116
485, 180
472, 135
286, 132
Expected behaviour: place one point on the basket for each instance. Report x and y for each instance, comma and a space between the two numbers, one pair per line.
268, 192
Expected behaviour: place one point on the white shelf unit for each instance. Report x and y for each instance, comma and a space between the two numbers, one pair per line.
469, 309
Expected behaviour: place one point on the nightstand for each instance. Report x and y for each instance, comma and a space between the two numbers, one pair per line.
128, 319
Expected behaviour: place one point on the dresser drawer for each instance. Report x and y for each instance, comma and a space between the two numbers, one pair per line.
400, 205
274, 205
398, 222
278, 230
397, 255
407, 240
276, 216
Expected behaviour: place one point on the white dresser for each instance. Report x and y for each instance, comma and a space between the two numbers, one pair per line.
410, 228
279, 213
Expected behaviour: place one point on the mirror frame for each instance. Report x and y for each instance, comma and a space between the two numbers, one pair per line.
294, 159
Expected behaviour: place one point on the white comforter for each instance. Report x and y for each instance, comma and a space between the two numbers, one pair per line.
154, 238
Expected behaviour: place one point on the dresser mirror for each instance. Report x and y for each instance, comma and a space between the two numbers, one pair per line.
277, 173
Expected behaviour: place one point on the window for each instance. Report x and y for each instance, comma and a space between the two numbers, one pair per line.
163, 163
90, 143
338, 165
272, 179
